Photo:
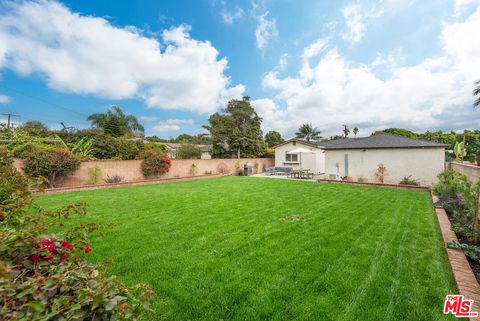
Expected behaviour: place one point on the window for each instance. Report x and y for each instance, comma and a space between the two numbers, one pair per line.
291, 157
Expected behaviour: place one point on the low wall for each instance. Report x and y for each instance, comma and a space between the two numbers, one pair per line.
131, 171
470, 170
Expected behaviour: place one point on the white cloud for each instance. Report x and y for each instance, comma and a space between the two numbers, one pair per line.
282, 61
172, 124
434, 93
148, 119
230, 16
356, 20
88, 55
5, 99
461, 6
266, 29
314, 48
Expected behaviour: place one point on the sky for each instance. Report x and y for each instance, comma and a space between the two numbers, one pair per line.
367, 64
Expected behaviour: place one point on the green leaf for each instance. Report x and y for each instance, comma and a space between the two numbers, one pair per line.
37, 306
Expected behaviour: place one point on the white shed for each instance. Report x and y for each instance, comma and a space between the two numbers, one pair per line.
315, 161
358, 159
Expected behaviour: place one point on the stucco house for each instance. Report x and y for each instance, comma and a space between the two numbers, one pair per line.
358, 158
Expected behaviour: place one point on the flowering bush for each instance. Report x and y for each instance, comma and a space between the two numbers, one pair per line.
42, 276
155, 164
50, 164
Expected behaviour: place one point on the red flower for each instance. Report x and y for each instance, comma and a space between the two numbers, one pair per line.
88, 250
65, 244
48, 257
63, 259
35, 258
41, 282
46, 242
77, 258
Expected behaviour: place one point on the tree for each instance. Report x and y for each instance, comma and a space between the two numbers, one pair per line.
273, 138
116, 123
188, 151
308, 132
355, 131
35, 127
476, 92
345, 130
401, 132
237, 130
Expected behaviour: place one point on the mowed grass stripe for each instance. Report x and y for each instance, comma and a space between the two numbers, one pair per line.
237, 248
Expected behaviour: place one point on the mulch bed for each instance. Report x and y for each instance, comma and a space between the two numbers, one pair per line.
324, 180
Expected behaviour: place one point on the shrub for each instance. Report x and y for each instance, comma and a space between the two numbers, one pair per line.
255, 168
113, 179
381, 173
23, 150
11, 182
450, 184
159, 148
222, 169
5, 159
51, 165
155, 164
408, 180
193, 169
42, 275
94, 174
104, 147
188, 151
128, 150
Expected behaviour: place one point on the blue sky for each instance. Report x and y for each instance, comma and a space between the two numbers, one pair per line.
370, 64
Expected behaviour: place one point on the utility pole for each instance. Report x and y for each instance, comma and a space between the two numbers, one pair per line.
9, 117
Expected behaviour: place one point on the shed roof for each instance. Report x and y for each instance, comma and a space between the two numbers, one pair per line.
379, 141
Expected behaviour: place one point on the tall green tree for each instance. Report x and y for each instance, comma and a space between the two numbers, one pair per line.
476, 92
236, 131
308, 132
116, 123
273, 138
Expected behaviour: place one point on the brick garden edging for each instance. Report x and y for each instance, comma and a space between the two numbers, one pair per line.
144, 182
324, 180
466, 282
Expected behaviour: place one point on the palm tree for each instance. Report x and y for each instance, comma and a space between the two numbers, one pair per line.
476, 92
308, 132
355, 131
116, 123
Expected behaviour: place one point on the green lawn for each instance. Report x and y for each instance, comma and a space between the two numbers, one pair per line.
243, 248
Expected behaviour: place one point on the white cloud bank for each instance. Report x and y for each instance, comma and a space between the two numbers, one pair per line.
172, 124
88, 55
437, 92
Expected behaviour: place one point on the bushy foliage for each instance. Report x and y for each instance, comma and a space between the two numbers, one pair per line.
11, 181
50, 164
104, 147
128, 150
408, 180
5, 157
450, 185
42, 276
155, 164
188, 151
158, 148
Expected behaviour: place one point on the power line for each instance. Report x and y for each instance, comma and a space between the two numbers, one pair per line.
9, 116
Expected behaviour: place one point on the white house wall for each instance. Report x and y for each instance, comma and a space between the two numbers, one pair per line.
423, 164
315, 162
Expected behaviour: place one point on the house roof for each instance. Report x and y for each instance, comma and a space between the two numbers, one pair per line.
175, 146
378, 141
